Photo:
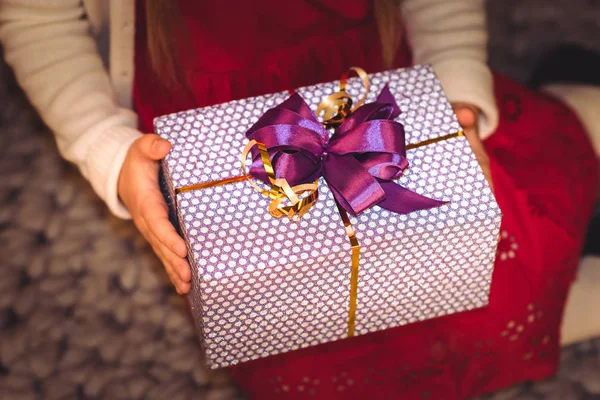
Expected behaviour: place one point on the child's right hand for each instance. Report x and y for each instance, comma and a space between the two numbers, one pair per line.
139, 191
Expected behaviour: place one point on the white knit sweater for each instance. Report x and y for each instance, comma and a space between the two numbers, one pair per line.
55, 48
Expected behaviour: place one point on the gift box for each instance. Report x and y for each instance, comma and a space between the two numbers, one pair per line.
264, 285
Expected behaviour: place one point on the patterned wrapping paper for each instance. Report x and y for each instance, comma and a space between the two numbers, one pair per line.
263, 286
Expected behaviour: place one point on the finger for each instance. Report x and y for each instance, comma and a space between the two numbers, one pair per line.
467, 114
168, 236
177, 269
169, 262
480, 154
460, 104
152, 147
475, 142
185, 288
182, 285
155, 214
179, 265
169, 268
466, 117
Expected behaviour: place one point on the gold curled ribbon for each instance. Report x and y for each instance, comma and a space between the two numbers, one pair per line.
294, 202
280, 189
338, 106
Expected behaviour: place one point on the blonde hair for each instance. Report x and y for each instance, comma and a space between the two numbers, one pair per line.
163, 23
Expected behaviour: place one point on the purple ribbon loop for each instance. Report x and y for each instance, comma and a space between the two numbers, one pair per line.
359, 161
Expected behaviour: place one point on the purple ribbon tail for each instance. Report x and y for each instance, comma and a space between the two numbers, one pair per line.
403, 201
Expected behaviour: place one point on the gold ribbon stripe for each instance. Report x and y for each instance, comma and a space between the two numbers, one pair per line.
434, 140
199, 186
245, 177
354, 269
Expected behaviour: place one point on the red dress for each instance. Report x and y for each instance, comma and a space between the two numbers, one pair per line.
544, 173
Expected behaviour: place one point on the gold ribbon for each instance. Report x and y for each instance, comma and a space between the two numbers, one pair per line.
337, 106
353, 270
280, 189
295, 201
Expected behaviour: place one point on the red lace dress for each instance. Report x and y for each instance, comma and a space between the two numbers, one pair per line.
544, 173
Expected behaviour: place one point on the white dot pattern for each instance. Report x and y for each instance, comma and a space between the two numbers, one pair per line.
263, 286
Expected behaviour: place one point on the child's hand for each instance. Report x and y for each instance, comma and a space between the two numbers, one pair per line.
139, 191
468, 116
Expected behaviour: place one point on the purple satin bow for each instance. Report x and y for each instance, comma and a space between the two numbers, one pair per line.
359, 161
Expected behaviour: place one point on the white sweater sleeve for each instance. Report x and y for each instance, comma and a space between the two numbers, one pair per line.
451, 35
56, 62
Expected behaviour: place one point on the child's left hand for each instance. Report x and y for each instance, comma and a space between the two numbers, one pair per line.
468, 116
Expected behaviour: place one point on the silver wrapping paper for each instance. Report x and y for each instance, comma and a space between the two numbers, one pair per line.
263, 286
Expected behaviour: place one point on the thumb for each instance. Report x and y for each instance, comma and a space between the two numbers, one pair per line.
152, 146
467, 114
